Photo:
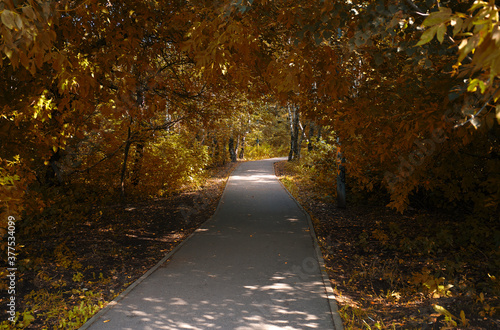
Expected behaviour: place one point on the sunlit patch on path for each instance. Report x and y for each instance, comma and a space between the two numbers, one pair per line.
252, 266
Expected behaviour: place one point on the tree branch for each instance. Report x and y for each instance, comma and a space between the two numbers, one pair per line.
164, 126
418, 11
481, 110
100, 161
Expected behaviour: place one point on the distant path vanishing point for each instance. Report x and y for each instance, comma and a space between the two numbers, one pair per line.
253, 265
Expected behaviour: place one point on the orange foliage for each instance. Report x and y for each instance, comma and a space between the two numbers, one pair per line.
88, 89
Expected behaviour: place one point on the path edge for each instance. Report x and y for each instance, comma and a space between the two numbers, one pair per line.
330, 295
160, 263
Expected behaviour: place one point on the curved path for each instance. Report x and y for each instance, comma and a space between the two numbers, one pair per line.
253, 265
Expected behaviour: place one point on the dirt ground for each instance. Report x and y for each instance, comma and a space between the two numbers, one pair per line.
106, 254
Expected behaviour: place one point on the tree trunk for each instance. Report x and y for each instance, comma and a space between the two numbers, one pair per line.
341, 191
53, 175
301, 131
237, 146
214, 148
292, 140
294, 153
139, 152
242, 148
232, 151
310, 136
128, 143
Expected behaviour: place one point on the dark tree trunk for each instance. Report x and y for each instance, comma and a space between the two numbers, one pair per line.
128, 143
310, 136
139, 152
53, 175
215, 149
232, 150
294, 153
219, 152
292, 139
341, 191
241, 155
237, 146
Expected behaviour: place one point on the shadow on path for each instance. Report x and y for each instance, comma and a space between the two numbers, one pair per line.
252, 266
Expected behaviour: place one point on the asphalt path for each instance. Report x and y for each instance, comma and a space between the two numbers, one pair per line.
253, 265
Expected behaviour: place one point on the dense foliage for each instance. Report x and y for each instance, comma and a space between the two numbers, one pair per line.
106, 100
87, 88
390, 271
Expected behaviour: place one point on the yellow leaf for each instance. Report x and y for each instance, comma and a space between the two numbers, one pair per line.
438, 17
465, 322
8, 19
441, 31
457, 24
427, 36
441, 310
19, 22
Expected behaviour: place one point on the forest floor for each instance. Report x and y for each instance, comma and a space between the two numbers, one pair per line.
392, 271
389, 271
68, 275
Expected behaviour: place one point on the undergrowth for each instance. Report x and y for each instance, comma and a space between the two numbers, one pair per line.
78, 257
263, 151
418, 270
60, 297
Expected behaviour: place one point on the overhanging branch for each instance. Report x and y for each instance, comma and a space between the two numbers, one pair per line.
418, 11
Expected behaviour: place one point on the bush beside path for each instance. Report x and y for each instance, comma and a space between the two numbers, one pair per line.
417, 270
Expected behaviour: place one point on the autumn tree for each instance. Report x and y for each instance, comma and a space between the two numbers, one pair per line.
90, 89
367, 70
90, 93
416, 108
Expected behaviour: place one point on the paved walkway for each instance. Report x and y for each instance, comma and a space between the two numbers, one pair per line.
253, 265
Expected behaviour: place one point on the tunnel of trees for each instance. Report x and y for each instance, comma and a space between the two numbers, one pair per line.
104, 99
112, 97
